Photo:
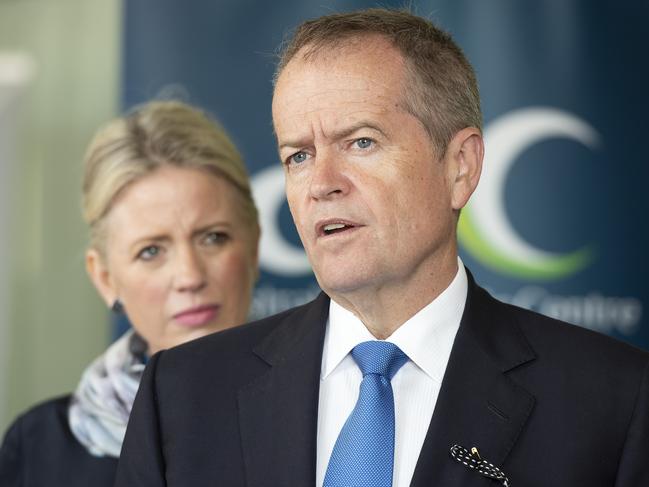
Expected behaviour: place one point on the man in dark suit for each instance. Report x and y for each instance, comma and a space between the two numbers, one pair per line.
378, 123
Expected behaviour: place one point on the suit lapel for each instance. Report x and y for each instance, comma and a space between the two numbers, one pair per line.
278, 411
478, 404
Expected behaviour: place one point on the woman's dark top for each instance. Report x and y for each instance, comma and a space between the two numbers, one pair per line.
39, 450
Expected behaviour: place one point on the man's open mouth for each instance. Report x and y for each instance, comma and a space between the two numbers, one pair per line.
334, 227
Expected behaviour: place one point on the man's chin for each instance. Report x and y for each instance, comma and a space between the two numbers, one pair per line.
342, 282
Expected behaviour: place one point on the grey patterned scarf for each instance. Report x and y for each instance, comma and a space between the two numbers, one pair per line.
103, 400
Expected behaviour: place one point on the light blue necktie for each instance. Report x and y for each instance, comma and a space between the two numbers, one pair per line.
363, 455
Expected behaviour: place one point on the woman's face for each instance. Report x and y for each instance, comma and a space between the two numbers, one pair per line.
179, 256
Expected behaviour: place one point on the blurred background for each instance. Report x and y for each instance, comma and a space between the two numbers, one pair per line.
558, 224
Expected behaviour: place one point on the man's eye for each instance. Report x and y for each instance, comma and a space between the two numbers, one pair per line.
298, 158
216, 238
148, 253
363, 143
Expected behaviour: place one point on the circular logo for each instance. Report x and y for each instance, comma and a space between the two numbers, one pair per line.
484, 229
276, 254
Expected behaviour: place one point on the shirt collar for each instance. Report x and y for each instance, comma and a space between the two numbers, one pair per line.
426, 338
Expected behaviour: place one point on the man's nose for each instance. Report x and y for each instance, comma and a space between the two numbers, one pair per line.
190, 273
328, 178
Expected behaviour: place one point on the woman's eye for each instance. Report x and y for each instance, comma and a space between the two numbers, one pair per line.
363, 143
149, 252
298, 158
216, 238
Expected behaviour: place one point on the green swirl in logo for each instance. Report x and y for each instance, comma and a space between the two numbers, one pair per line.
484, 230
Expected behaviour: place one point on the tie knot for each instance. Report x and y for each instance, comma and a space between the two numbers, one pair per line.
376, 357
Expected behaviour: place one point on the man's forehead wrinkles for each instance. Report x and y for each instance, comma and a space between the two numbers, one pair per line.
328, 100
321, 106
307, 74
328, 125
322, 99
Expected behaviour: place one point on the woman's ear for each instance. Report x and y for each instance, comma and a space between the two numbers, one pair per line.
100, 276
464, 161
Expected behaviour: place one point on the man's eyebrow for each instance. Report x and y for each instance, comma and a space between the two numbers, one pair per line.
339, 134
361, 124
294, 143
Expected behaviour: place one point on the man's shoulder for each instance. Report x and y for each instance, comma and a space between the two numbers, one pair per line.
242, 348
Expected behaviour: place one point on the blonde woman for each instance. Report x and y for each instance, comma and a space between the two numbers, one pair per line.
174, 237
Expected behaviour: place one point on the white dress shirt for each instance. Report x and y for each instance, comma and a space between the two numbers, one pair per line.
426, 338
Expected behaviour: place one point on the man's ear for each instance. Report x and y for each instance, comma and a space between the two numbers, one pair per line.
464, 156
100, 276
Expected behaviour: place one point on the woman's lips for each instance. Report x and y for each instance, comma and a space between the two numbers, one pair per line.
198, 316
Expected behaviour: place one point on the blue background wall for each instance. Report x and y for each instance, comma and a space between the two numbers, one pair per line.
566, 79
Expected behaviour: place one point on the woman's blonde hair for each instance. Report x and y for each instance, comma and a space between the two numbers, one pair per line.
152, 135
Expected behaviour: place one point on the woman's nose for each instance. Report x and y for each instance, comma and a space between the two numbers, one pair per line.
189, 271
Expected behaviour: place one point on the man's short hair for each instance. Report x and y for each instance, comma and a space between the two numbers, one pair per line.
442, 88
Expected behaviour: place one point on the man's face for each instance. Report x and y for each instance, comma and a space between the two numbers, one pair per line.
370, 197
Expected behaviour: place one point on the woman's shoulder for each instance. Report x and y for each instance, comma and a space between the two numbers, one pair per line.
42, 423
39, 446
32, 428
45, 412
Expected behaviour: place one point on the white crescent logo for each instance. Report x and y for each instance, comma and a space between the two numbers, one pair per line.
485, 231
276, 254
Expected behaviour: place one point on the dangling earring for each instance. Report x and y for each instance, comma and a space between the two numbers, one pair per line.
117, 307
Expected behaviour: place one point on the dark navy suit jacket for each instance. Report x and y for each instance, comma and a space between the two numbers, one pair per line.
39, 450
552, 404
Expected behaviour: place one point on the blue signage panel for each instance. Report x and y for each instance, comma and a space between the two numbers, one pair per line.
558, 223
